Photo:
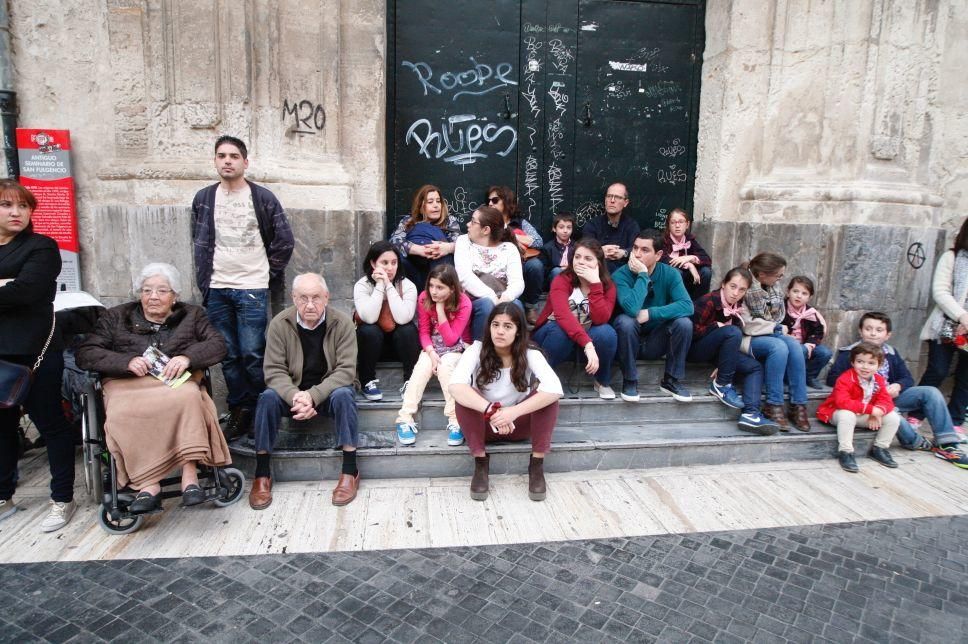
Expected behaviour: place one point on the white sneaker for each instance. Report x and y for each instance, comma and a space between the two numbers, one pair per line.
605, 392
60, 513
7, 508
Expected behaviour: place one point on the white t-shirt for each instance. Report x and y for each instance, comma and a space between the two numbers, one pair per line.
502, 390
502, 261
240, 259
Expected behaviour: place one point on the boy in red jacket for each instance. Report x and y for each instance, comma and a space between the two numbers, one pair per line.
860, 397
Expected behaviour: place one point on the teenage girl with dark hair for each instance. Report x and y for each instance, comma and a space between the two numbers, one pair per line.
443, 322
385, 302
580, 305
506, 391
717, 327
684, 252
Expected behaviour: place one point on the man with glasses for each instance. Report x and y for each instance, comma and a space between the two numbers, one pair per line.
310, 368
242, 244
614, 230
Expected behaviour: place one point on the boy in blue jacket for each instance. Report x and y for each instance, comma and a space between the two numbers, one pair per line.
654, 318
875, 327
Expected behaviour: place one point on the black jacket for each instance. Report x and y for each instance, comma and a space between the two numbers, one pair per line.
273, 228
33, 262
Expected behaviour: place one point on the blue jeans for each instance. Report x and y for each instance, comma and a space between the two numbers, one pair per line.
670, 339
559, 347
534, 275
341, 406
480, 309
929, 402
939, 364
241, 316
816, 362
721, 348
43, 405
781, 357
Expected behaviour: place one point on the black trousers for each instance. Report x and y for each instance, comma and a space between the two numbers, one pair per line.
374, 343
43, 405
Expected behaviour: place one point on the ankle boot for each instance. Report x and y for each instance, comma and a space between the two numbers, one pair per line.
536, 480
479, 483
775, 413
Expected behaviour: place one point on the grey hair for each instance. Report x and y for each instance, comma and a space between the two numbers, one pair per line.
167, 271
319, 278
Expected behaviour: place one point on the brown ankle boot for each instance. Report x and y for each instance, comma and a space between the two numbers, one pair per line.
775, 413
798, 417
536, 480
479, 483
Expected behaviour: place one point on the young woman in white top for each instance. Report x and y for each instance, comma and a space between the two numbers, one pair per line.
488, 264
385, 302
506, 391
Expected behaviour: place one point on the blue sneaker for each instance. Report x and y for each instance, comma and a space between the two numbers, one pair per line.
726, 394
406, 433
630, 390
455, 436
371, 391
674, 388
757, 424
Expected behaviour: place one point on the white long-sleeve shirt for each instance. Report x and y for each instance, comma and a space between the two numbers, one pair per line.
502, 261
502, 390
368, 300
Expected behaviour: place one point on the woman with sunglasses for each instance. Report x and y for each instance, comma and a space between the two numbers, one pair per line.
529, 242
580, 304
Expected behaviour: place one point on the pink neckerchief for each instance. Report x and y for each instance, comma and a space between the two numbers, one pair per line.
729, 310
679, 246
803, 313
564, 254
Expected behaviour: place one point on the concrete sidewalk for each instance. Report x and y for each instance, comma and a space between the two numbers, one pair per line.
419, 513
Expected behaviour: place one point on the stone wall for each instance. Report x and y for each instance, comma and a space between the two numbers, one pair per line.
831, 131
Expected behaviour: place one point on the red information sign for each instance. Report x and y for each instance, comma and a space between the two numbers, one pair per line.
45, 170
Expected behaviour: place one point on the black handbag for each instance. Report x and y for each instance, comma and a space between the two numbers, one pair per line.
15, 379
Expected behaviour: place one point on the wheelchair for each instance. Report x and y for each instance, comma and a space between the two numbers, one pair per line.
223, 486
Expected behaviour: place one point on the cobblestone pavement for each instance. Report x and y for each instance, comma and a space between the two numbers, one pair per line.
901, 580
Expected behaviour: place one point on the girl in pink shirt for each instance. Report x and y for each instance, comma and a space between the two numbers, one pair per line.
443, 322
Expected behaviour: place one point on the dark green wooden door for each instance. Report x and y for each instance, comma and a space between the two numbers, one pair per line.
554, 98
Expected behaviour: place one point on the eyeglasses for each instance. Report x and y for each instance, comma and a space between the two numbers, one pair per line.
493, 200
476, 222
616, 197
303, 300
161, 292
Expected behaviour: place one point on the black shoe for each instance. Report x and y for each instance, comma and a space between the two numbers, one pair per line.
192, 495
674, 388
847, 462
882, 456
239, 423
145, 503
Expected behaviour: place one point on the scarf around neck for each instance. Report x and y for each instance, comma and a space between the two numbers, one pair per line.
729, 310
801, 314
679, 246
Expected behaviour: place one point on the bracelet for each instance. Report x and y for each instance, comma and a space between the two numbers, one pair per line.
491, 410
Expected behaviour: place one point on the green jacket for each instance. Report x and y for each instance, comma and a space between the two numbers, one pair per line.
667, 299
283, 364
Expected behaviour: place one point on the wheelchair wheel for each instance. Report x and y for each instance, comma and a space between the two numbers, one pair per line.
121, 526
234, 480
93, 477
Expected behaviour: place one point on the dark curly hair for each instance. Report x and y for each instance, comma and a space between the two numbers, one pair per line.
491, 362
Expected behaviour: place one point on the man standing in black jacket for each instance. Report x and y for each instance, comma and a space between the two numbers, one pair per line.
242, 243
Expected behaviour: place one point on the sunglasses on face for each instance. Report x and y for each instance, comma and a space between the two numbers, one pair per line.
493, 200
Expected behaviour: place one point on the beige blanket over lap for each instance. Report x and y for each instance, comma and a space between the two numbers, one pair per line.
152, 429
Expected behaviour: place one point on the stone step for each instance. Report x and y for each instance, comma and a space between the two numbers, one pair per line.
649, 373
586, 447
574, 409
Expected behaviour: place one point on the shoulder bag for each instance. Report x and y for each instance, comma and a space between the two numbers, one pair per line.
15, 379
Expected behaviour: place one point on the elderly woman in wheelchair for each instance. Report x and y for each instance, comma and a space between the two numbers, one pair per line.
150, 354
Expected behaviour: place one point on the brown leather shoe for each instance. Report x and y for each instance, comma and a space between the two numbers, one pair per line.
536, 480
531, 316
345, 490
798, 417
261, 495
775, 413
479, 482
